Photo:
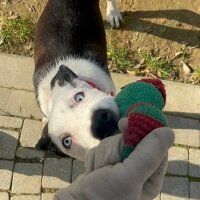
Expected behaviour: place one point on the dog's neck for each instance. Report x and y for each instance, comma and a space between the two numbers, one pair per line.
85, 70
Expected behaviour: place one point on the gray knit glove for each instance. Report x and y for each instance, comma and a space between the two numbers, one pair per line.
139, 177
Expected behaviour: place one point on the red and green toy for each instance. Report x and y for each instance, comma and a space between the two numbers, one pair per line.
142, 103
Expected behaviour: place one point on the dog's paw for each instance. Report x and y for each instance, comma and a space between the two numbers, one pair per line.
113, 16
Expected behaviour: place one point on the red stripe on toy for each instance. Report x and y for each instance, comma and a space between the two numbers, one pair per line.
139, 125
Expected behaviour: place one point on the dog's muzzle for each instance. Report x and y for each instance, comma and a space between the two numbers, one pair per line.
104, 123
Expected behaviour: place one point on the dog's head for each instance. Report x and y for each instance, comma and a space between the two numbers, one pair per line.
80, 115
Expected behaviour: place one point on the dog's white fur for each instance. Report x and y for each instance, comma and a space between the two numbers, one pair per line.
113, 14
69, 118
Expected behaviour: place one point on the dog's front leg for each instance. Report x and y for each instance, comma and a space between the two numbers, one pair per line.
113, 14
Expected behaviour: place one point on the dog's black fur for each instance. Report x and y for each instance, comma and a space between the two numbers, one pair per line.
69, 28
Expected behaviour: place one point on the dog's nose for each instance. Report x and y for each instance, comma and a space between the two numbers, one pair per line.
104, 123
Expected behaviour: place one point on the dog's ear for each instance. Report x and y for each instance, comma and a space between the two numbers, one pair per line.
64, 76
45, 140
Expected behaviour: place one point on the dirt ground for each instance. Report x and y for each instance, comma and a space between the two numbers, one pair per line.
165, 26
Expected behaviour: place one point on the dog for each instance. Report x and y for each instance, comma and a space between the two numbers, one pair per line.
72, 83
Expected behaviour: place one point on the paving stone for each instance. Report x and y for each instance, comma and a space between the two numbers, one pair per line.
175, 188
57, 173
47, 196
178, 161
78, 169
187, 137
6, 168
5, 95
29, 153
178, 122
26, 197
194, 190
31, 133
10, 122
23, 103
18, 70
194, 162
27, 178
4, 196
8, 143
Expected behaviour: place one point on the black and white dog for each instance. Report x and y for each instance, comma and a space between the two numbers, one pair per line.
73, 86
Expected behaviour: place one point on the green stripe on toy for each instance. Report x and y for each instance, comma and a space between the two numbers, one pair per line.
142, 103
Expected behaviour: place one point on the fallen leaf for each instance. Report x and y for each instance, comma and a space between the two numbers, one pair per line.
186, 69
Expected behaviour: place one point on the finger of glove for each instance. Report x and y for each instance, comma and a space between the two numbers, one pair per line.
149, 154
108, 152
153, 185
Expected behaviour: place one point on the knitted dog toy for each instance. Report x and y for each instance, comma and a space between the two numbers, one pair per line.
142, 103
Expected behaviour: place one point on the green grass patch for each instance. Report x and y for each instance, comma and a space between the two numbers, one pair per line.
16, 32
157, 65
119, 57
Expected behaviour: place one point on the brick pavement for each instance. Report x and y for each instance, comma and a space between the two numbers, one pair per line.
26, 173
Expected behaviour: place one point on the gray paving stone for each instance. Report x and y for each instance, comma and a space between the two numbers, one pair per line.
18, 71
27, 178
6, 168
57, 173
23, 103
26, 197
194, 190
78, 169
10, 122
175, 188
31, 133
4, 98
47, 196
8, 143
4, 196
29, 153
178, 161
194, 163
178, 122
187, 137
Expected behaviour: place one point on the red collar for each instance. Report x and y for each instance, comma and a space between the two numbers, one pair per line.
96, 87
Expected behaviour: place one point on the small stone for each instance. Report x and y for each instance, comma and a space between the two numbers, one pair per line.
178, 161
194, 190
29, 153
31, 133
56, 173
194, 163
6, 168
8, 143
10, 122
78, 169
4, 196
27, 178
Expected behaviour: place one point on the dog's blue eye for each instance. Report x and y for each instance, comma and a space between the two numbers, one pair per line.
67, 142
79, 97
